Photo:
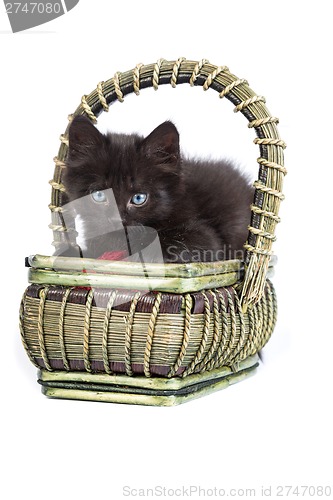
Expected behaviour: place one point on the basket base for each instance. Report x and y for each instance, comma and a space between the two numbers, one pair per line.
141, 390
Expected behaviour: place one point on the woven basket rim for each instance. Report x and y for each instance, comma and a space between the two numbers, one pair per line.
186, 269
172, 278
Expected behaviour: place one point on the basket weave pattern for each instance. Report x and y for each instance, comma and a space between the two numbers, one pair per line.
150, 334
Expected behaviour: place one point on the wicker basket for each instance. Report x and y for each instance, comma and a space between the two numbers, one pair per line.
113, 331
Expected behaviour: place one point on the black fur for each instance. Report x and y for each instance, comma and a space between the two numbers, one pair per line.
200, 209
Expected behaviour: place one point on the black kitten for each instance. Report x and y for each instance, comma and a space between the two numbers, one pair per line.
130, 188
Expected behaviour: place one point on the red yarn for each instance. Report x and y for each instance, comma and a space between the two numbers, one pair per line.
113, 255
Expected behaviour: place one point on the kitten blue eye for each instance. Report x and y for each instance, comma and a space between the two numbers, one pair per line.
139, 199
98, 196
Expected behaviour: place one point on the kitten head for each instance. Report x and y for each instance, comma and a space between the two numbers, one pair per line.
144, 174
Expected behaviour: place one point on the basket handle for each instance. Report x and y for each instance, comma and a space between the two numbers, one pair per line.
268, 187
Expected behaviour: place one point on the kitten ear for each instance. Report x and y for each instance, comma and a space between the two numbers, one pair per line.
163, 143
83, 137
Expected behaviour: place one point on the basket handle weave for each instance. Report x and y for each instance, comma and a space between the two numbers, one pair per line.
268, 187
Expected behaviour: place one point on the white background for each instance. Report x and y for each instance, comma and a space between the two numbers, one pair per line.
273, 429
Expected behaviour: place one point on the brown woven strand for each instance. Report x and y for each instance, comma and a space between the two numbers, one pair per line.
259, 322
216, 337
216, 361
259, 211
150, 334
200, 352
59, 163
86, 332
231, 86
118, 91
156, 73
234, 335
88, 110
211, 77
101, 96
236, 356
136, 78
197, 70
106, 323
250, 346
186, 336
272, 164
128, 335
40, 328
61, 328
175, 71
265, 320
251, 100
263, 121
